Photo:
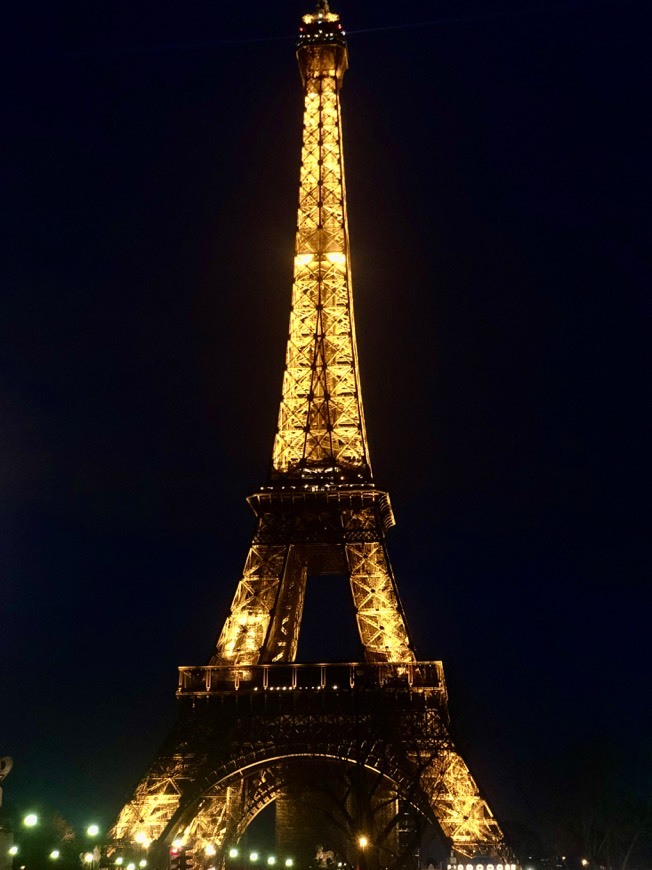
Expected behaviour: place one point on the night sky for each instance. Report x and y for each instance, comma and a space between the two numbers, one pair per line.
499, 189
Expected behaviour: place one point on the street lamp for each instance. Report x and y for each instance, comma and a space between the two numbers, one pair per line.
289, 862
233, 853
54, 854
30, 820
363, 842
13, 850
253, 857
93, 830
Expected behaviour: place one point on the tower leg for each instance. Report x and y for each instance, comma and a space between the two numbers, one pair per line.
245, 630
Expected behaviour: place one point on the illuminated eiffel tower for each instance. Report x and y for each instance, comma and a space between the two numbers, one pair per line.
358, 748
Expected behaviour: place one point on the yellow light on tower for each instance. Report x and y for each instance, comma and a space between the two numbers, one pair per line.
210, 850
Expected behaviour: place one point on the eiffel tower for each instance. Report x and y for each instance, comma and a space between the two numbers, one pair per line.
351, 749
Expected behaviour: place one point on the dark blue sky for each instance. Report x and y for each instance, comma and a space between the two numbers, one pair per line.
498, 175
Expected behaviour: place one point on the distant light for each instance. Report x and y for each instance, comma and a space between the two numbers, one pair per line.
210, 849
178, 843
54, 854
289, 862
13, 850
30, 820
119, 861
93, 830
363, 842
131, 866
88, 857
142, 862
233, 853
584, 862
271, 860
253, 856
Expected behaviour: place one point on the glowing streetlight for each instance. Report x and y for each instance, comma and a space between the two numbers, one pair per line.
253, 857
93, 830
30, 820
120, 861
54, 854
13, 850
363, 842
584, 862
142, 862
271, 860
289, 862
233, 853
131, 866
88, 858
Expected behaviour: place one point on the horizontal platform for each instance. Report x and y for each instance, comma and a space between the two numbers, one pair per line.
322, 677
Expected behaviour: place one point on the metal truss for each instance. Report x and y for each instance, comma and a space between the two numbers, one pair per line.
321, 421
306, 532
254, 720
244, 733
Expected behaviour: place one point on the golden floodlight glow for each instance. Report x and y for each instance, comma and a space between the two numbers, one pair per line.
320, 468
210, 850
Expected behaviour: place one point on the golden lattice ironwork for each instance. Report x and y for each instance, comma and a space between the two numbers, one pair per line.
253, 720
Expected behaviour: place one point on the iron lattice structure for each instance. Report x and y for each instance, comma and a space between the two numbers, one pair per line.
254, 721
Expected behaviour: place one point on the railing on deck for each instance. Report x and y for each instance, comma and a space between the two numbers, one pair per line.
222, 679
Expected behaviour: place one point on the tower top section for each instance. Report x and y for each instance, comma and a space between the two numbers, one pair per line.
321, 47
